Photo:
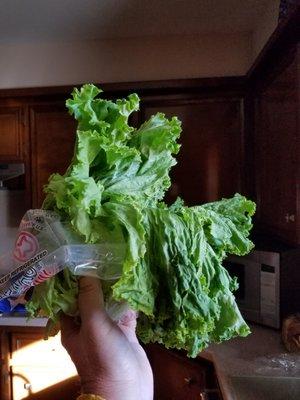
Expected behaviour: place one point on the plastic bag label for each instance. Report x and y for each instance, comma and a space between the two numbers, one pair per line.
23, 267
26, 246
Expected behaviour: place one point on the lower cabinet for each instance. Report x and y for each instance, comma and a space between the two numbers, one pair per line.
177, 377
36, 369
43, 383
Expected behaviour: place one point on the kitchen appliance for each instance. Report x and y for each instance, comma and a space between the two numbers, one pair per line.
269, 282
9, 171
12, 205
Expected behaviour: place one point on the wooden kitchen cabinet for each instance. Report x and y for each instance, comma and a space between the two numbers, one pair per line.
210, 161
39, 133
277, 152
14, 143
52, 144
11, 133
177, 377
36, 369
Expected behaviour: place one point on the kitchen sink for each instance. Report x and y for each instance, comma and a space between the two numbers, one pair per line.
266, 387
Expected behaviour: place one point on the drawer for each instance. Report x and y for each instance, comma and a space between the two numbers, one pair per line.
29, 382
176, 377
32, 349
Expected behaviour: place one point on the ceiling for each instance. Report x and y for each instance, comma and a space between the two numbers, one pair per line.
52, 20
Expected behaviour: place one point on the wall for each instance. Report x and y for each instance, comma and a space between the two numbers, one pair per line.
133, 59
265, 26
36, 64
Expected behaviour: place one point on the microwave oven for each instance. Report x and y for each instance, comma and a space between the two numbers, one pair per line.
269, 284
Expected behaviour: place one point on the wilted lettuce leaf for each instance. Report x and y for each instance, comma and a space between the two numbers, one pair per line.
112, 192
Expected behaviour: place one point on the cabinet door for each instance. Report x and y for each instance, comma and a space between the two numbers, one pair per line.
5, 388
52, 140
44, 383
177, 377
210, 159
41, 369
11, 126
277, 155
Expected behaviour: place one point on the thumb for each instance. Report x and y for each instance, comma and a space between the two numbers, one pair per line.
90, 300
127, 324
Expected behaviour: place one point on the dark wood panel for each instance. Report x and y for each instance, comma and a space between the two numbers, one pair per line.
210, 162
11, 140
277, 154
68, 389
41, 369
177, 377
52, 137
5, 388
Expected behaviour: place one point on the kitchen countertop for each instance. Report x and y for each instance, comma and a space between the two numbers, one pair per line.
261, 354
18, 320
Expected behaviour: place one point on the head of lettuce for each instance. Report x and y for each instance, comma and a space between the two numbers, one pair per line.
113, 191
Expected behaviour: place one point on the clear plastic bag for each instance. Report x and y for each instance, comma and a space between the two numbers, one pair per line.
45, 246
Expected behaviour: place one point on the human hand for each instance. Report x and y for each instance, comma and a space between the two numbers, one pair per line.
108, 357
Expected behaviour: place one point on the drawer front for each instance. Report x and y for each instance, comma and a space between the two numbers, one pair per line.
32, 349
35, 383
176, 377
41, 369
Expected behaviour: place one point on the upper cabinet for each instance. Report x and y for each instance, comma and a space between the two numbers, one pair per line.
277, 154
11, 133
210, 161
52, 132
209, 164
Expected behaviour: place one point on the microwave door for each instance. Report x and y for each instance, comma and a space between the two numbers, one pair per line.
250, 305
248, 293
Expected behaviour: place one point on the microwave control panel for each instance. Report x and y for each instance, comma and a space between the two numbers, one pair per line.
269, 295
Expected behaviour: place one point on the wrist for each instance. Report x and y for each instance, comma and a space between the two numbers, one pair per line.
97, 387
109, 389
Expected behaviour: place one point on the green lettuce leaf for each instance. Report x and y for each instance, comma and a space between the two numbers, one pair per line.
172, 271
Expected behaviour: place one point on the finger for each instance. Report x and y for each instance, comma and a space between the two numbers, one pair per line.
128, 319
90, 300
69, 328
70, 339
52, 329
68, 324
127, 324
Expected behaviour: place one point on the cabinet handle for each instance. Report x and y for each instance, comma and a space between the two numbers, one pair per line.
205, 395
27, 386
188, 380
290, 217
